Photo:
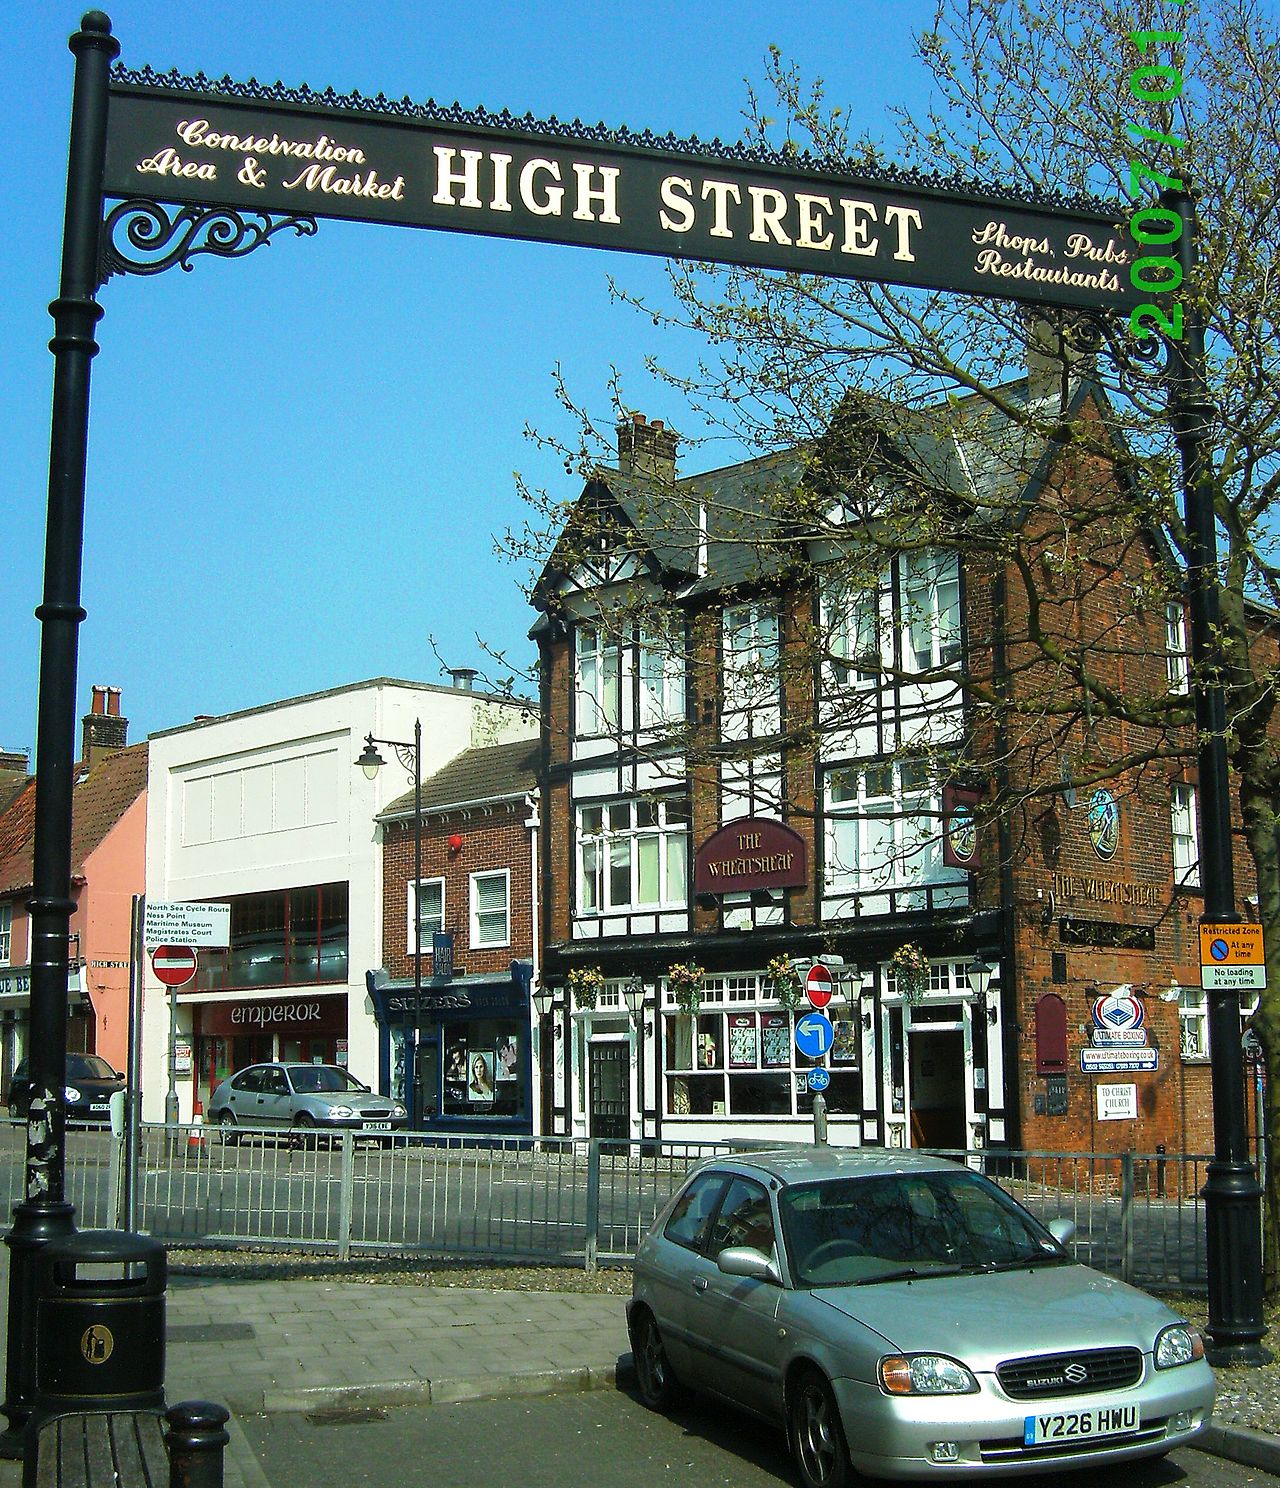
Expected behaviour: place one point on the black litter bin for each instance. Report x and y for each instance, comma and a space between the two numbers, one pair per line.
100, 1324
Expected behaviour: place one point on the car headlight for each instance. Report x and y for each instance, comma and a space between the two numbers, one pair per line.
341, 1112
1178, 1344
925, 1374
398, 1110
70, 1094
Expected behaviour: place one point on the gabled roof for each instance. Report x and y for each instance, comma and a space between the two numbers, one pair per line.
99, 799
984, 458
495, 772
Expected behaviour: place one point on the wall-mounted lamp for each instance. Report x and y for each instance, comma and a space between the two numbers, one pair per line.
543, 997
633, 996
866, 1019
978, 974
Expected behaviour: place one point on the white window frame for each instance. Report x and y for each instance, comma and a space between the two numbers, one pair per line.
411, 907
477, 940
908, 815
1193, 1015
1184, 835
930, 582
6, 933
597, 682
660, 676
858, 622
750, 658
1176, 658
594, 852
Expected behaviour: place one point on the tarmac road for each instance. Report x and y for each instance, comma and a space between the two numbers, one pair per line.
601, 1439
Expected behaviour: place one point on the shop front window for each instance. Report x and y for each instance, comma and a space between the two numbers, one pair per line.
742, 1061
481, 1069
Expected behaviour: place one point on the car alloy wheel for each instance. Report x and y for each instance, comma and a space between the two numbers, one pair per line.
817, 1437
655, 1377
227, 1126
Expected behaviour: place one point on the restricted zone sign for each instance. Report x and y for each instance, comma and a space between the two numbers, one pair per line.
173, 965
1231, 956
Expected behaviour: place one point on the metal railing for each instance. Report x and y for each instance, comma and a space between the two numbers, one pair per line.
551, 1200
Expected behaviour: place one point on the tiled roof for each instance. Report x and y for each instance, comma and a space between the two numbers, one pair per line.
98, 801
475, 775
983, 457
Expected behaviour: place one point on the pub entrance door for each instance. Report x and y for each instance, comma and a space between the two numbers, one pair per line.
609, 1088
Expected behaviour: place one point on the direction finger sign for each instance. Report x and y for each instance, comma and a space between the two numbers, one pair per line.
173, 965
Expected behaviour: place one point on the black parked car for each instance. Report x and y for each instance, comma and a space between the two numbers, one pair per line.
90, 1083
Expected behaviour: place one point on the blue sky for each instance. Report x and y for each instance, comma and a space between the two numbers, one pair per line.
298, 462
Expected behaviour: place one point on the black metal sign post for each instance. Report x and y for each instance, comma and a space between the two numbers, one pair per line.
243, 163
43, 1213
1232, 1194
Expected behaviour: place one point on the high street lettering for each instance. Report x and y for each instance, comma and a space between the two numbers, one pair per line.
358, 160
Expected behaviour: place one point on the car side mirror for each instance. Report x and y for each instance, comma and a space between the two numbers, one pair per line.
745, 1260
1062, 1230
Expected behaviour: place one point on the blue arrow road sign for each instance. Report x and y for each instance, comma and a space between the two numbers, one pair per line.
819, 1079
814, 1034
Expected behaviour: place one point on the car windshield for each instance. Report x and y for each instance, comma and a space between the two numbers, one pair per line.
322, 1079
88, 1067
850, 1231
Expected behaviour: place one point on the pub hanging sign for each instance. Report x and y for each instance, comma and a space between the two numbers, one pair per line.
296, 152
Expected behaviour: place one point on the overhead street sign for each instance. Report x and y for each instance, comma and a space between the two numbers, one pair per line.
1232, 956
294, 151
174, 966
175, 923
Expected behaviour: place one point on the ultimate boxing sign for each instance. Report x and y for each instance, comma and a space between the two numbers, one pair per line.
358, 159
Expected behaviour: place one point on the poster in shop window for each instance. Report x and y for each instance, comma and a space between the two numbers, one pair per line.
775, 1031
744, 1041
480, 1076
505, 1069
455, 1072
844, 1046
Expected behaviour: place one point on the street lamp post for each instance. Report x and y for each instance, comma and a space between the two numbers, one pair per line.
543, 998
633, 992
410, 756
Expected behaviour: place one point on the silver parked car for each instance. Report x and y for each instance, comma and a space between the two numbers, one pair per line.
902, 1316
303, 1096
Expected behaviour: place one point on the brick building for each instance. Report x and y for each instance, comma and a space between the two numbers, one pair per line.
108, 833
479, 847
726, 785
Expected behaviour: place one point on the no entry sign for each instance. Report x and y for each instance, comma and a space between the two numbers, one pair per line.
817, 985
173, 965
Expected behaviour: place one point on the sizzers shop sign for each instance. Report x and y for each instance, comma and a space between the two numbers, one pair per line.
359, 160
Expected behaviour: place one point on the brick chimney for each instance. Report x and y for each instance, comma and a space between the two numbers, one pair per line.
105, 731
647, 449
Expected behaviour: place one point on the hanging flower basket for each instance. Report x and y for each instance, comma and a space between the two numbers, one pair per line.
910, 968
685, 981
586, 983
785, 981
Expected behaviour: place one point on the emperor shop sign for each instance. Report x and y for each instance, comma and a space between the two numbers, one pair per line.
362, 159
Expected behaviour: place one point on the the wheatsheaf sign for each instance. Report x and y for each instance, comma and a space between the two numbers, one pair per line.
188, 147
754, 853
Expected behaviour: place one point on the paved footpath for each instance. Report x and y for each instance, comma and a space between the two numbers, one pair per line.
268, 1346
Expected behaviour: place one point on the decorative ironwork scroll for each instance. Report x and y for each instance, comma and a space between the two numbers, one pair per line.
147, 237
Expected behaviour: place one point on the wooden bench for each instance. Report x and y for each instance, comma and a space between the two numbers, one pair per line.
129, 1449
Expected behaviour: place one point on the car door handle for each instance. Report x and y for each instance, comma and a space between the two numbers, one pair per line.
700, 1283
